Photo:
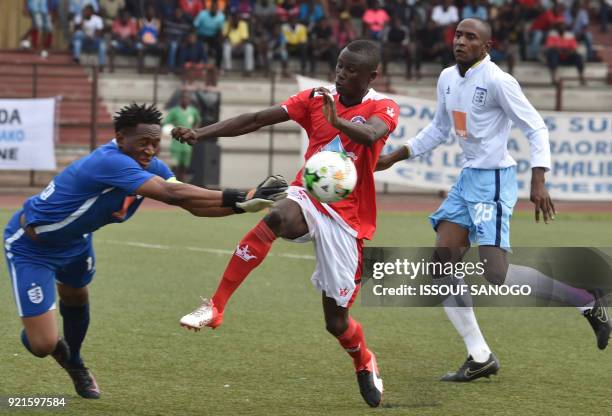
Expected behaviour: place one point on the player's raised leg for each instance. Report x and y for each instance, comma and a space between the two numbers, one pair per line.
284, 220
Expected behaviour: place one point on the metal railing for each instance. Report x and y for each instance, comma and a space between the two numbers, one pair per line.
93, 97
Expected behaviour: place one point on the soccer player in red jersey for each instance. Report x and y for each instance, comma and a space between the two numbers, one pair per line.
349, 117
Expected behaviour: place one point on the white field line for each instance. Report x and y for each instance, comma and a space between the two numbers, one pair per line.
197, 249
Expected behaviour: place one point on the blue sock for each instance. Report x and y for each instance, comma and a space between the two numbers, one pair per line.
76, 322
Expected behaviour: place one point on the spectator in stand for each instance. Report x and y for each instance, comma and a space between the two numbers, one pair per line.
561, 47
530, 9
577, 18
265, 10
76, 7
287, 9
221, 5
357, 9
310, 13
41, 24
182, 115
136, 8
124, 34
243, 8
604, 14
109, 11
399, 8
540, 27
192, 57
149, 31
396, 44
270, 44
429, 45
236, 42
165, 8
209, 26
191, 7
88, 36
174, 31
323, 45
473, 9
343, 30
504, 39
374, 20
445, 14
296, 36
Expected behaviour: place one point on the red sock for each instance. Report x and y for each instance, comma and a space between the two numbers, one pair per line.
353, 341
249, 254
34, 37
48, 40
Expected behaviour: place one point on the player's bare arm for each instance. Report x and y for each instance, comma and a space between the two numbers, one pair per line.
367, 133
208, 203
235, 126
390, 159
540, 197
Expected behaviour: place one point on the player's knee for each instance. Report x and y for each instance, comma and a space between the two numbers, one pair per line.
495, 273
43, 345
274, 219
74, 297
336, 327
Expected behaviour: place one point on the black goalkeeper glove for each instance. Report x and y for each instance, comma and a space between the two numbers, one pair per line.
272, 189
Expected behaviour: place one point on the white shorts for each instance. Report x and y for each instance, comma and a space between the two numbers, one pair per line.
338, 253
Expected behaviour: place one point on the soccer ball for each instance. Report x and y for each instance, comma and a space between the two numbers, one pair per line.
166, 132
329, 176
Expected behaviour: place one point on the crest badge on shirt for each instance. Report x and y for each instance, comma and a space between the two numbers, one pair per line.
480, 96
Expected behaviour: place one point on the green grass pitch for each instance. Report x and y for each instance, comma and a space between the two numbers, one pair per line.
272, 354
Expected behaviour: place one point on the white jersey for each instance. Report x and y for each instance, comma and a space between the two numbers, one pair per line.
478, 110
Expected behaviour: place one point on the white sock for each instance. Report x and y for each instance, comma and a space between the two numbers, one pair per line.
545, 287
463, 319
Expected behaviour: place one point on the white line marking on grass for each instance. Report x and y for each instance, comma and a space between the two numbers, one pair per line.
199, 249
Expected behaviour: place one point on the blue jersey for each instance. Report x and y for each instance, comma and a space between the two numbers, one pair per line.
93, 191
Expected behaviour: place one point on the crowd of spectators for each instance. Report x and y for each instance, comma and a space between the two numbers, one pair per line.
189, 34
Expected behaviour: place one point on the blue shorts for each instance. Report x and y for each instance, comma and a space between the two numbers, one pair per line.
481, 201
34, 267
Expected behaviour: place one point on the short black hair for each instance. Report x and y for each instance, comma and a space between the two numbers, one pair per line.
485, 28
368, 49
132, 115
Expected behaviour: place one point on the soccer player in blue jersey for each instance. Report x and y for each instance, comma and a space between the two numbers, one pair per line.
49, 240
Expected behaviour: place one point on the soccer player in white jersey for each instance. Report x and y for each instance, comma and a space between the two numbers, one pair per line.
477, 104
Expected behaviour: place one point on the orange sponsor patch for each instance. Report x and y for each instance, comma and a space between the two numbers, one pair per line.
460, 121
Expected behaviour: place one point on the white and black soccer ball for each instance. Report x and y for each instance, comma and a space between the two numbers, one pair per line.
329, 176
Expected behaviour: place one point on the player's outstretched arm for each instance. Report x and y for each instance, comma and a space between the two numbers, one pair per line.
390, 159
235, 126
208, 203
540, 197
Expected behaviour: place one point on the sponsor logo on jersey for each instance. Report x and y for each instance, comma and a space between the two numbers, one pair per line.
390, 112
335, 145
344, 291
447, 90
480, 96
358, 120
244, 254
35, 294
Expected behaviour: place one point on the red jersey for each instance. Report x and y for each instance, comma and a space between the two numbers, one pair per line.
356, 213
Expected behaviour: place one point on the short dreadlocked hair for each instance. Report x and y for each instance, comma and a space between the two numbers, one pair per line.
134, 114
368, 49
